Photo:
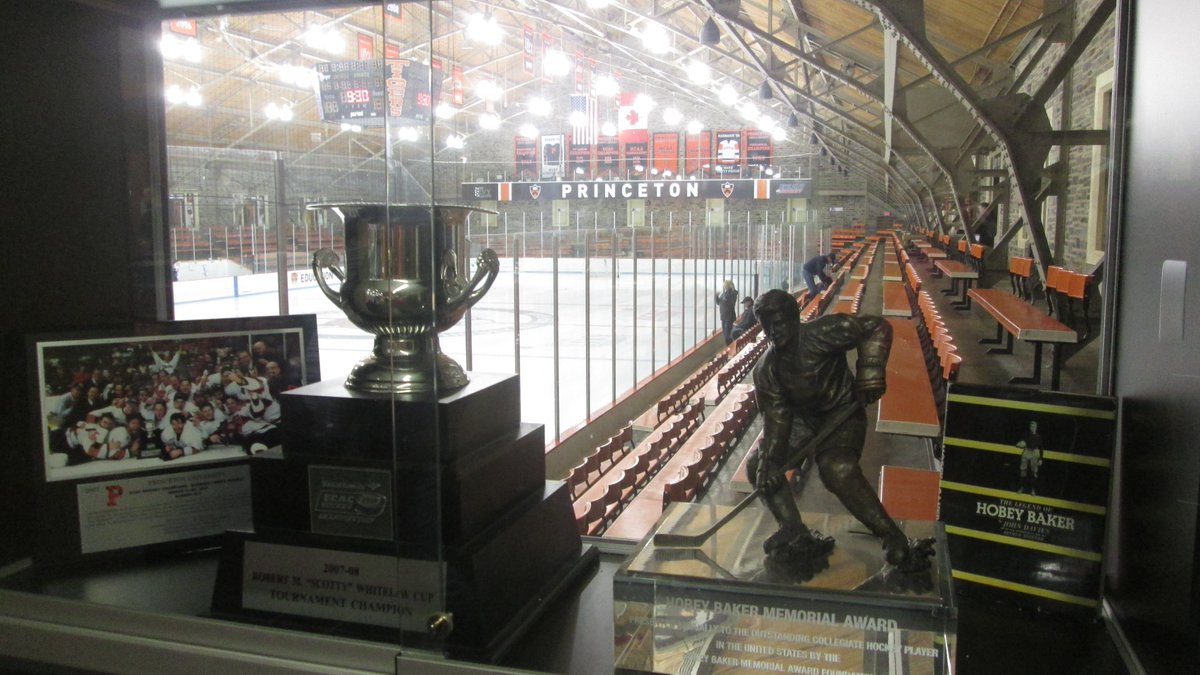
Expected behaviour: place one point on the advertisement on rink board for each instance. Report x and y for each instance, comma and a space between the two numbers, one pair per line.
637, 189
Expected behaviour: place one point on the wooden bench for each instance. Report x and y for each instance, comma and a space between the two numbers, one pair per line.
643, 511
846, 306
1017, 318
907, 407
892, 271
909, 494
961, 275
895, 299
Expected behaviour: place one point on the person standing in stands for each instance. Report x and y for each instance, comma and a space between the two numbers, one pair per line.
746, 321
726, 302
815, 270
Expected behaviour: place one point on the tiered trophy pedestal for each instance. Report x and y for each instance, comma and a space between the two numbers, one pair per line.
422, 520
722, 606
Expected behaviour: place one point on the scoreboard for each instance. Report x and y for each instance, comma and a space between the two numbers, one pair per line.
370, 91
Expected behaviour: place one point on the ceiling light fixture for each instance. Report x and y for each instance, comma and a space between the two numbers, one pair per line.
275, 111
793, 121
606, 85
608, 129
555, 63
539, 106
655, 38
488, 90
489, 121
728, 95
698, 72
672, 116
695, 127
456, 142
528, 131
484, 30
764, 90
326, 39
710, 34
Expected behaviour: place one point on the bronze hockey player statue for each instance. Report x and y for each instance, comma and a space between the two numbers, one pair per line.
803, 383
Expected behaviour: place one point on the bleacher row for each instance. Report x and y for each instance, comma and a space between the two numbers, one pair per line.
620, 489
745, 356
1063, 288
923, 358
937, 344
675, 401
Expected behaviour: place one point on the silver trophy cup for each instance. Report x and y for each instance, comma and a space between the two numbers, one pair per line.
402, 283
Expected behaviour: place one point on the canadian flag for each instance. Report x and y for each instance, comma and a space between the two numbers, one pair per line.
631, 122
629, 118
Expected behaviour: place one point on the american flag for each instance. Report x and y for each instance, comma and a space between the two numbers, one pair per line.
584, 125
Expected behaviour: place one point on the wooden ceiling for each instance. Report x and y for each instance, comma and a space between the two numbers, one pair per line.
825, 61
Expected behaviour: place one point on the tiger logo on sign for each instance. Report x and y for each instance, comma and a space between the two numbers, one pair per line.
535, 191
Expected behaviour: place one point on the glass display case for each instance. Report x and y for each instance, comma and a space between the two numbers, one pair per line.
390, 497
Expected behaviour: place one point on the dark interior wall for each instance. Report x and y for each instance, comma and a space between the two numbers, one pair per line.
1153, 581
78, 213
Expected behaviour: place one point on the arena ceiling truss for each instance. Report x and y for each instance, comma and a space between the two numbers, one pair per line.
909, 96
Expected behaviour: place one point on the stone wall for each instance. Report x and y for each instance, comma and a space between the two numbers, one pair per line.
1066, 216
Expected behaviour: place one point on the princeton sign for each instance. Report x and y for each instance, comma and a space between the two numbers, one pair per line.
636, 189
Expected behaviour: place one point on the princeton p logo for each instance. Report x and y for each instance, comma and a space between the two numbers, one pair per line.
535, 191
727, 189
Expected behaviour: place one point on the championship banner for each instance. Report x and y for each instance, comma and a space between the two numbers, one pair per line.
758, 148
1024, 493
625, 189
366, 47
579, 159
553, 156
580, 84
697, 153
608, 156
525, 152
729, 153
666, 152
528, 50
636, 154
391, 51
547, 45
456, 85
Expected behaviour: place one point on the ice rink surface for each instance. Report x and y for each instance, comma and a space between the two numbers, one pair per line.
661, 309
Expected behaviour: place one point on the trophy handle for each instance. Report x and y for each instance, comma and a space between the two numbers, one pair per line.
327, 259
489, 267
